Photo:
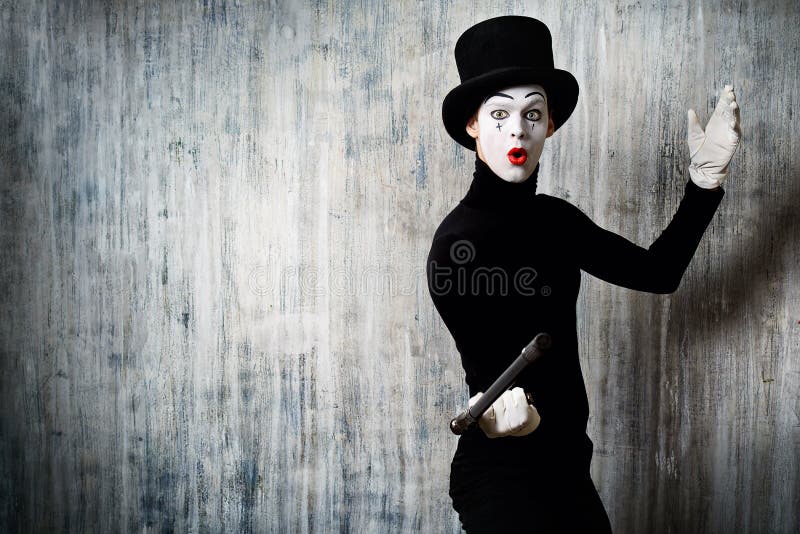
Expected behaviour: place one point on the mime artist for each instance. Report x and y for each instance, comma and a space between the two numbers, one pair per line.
505, 264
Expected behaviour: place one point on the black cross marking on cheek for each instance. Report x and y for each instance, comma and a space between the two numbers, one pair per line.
499, 127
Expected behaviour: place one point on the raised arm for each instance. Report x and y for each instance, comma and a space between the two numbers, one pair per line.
658, 268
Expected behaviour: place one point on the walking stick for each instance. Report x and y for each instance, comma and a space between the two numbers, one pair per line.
532, 352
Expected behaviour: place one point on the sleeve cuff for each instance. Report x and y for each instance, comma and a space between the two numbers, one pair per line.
695, 190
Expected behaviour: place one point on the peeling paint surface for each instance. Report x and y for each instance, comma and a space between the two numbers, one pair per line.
214, 221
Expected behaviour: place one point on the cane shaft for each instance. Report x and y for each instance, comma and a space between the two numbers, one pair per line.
533, 351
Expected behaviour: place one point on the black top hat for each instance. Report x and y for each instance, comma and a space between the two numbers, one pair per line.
502, 52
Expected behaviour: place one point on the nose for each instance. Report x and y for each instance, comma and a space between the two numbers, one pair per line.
517, 130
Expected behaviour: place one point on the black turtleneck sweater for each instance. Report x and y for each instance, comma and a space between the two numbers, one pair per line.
505, 265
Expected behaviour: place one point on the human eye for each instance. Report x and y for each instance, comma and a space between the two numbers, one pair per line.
499, 114
534, 115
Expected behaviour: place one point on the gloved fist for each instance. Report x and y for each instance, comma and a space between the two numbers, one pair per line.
711, 150
509, 415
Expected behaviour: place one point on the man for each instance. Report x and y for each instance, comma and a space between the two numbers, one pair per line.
505, 265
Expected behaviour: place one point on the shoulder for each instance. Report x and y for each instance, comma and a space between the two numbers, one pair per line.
444, 240
557, 206
566, 216
454, 226
454, 232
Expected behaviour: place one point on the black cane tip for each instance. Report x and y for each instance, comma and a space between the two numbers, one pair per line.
454, 426
543, 341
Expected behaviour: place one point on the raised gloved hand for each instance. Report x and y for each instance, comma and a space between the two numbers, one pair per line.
711, 150
509, 415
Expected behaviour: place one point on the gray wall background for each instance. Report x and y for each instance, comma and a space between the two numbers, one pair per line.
215, 218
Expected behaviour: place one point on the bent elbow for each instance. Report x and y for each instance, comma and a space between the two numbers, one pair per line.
665, 282
668, 290
669, 285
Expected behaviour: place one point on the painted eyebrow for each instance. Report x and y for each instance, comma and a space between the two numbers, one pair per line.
511, 97
498, 94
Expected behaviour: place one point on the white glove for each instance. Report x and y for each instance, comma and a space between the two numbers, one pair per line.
509, 415
711, 150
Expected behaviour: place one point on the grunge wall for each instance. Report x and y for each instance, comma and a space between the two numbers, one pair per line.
215, 218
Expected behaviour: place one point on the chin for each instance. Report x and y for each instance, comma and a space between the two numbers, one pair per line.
516, 174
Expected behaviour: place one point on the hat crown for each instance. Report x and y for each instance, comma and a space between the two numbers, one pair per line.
501, 43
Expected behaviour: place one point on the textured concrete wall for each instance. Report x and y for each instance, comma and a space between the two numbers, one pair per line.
215, 217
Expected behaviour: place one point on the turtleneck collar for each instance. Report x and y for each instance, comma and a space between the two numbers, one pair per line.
489, 191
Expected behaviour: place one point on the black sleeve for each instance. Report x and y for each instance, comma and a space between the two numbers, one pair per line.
448, 282
659, 268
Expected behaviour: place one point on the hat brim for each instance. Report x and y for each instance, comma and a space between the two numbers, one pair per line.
463, 101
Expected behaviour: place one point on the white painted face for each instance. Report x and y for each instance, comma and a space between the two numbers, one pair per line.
510, 130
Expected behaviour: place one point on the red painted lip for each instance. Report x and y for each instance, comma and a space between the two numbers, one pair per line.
517, 156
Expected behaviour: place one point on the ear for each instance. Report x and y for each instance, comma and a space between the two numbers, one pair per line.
472, 126
551, 127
